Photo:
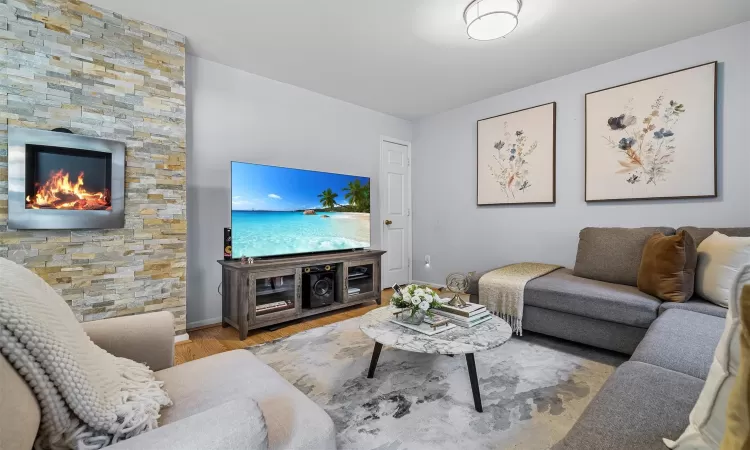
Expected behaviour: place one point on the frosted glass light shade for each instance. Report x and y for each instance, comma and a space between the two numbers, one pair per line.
491, 19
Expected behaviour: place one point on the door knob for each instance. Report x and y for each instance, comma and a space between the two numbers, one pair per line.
388, 222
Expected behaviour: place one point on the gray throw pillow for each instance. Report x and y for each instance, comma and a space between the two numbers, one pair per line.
613, 254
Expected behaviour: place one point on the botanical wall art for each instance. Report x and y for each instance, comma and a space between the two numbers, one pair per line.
516, 157
654, 138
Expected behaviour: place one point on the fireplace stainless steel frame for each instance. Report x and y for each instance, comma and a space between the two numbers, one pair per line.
20, 218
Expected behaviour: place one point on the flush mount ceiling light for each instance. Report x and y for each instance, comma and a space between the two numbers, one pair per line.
491, 19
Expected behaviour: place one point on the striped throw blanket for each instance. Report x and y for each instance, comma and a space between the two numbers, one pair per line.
501, 290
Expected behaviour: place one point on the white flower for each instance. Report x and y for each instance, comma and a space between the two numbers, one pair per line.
418, 291
416, 300
424, 306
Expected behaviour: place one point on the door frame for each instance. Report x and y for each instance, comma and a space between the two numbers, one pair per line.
381, 203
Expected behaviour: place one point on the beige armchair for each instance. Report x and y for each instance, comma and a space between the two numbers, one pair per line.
212, 396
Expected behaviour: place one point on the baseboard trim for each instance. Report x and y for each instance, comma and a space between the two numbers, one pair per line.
428, 284
181, 338
204, 323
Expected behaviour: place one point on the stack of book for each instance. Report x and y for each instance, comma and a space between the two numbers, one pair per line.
468, 316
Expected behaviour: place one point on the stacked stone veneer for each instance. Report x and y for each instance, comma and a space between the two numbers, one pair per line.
69, 64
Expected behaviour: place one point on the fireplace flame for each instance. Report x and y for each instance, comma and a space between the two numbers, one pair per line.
59, 193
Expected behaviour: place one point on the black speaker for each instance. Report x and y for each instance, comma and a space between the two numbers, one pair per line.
318, 287
227, 243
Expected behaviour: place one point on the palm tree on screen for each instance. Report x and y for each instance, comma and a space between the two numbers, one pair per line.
355, 193
365, 204
328, 198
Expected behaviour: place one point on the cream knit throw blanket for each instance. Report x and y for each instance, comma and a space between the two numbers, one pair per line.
501, 290
89, 399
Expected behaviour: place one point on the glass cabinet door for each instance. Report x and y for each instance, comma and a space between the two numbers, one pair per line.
274, 293
360, 279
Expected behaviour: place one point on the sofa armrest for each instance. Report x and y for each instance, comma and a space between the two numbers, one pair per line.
235, 425
145, 338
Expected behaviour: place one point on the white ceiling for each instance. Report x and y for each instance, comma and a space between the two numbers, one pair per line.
411, 58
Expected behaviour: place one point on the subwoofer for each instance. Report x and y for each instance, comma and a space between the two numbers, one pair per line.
318, 287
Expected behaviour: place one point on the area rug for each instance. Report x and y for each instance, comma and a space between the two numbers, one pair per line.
533, 390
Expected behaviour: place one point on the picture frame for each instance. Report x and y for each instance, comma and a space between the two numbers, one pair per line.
654, 138
517, 157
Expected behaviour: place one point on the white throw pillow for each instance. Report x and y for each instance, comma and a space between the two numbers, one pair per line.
709, 416
720, 258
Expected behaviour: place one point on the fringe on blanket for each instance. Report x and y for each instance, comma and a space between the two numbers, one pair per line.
516, 323
142, 398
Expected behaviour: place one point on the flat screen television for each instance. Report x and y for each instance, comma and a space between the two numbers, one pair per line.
282, 211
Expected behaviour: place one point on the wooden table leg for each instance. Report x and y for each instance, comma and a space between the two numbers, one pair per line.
224, 296
474, 382
374, 361
244, 304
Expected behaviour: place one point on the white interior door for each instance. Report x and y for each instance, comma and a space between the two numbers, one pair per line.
395, 210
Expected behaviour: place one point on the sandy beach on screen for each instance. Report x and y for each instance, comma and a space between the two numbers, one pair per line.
363, 222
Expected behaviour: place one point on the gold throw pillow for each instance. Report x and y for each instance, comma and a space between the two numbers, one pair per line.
668, 267
737, 434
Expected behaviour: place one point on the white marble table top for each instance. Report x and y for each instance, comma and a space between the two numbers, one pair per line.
377, 325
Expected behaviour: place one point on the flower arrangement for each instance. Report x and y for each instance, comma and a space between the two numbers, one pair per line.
647, 147
513, 172
417, 299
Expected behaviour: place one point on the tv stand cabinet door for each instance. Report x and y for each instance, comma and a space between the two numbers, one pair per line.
369, 285
265, 289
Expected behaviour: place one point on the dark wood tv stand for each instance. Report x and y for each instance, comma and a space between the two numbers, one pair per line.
269, 291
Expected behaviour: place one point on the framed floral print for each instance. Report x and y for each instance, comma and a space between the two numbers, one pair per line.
516, 157
653, 138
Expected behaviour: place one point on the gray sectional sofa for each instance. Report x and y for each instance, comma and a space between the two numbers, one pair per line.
672, 344
650, 397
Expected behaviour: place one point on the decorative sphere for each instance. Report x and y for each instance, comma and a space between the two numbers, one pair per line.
458, 283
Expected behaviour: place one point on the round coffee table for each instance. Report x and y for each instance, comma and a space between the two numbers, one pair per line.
377, 325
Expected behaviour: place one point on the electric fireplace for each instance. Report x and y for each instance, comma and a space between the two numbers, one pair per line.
58, 180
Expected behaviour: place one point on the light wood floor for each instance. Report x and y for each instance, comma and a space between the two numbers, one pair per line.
215, 339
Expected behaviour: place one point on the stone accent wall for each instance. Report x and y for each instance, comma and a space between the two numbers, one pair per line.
65, 63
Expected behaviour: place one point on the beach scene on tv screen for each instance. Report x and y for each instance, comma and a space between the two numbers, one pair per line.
281, 211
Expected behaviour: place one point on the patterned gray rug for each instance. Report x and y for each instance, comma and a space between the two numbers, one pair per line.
533, 390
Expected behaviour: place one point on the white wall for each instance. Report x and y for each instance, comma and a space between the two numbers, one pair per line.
459, 236
234, 115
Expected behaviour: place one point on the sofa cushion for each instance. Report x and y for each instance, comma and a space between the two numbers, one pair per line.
683, 341
292, 419
613, 254
737, 435
721, 259
696, 304
234, 425
597, 333
699, 234
708, 419
562, 291
667, 269
638, 406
